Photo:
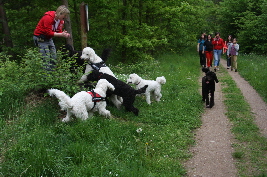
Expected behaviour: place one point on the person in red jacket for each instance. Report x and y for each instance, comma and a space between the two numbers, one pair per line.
49, 26
218, 45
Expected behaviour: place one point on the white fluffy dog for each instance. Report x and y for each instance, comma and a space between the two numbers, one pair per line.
154, 87
82, 104
93, 61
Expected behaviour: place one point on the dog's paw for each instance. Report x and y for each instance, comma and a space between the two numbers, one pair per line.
65, 120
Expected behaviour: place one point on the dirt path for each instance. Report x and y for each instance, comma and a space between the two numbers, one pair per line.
257, 105
212, 155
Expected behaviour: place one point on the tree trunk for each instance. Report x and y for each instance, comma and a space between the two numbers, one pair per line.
7, 41
124, 14
68, 25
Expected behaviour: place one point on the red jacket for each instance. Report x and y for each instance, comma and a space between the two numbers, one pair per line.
46, 25
218, 44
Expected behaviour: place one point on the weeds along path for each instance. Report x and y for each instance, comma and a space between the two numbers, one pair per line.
257, 105
212, 154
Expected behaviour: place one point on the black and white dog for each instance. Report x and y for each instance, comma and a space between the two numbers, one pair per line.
208, 87
121, 89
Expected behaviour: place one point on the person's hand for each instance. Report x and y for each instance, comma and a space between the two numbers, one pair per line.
203, 51
65, 34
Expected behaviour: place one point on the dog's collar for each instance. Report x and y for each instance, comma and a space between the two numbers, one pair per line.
97, 66
100, 76
138, 83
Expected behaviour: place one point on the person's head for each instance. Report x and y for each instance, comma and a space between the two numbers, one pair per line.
209, 37
61, 12
217, 35
202, 36
234, 41
230, 38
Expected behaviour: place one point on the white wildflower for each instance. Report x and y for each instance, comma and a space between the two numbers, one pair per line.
139, 130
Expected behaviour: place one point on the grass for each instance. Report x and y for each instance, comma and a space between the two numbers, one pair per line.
34, 142
250, 147
252, 68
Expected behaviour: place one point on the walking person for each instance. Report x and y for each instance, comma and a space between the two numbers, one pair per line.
233, 53
49, 26
226, 47
218, 44
208, 47
200, 50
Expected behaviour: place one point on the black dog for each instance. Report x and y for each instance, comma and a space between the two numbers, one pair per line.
121, 89
208, 87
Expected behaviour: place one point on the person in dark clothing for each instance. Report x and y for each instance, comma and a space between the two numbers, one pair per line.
200, 50
208, 46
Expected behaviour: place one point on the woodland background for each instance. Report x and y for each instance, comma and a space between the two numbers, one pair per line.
140, 29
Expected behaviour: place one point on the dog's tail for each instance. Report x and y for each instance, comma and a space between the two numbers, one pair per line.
141, 90
105, 54
161, 80
65, 101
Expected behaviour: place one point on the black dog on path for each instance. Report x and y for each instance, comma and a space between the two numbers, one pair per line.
121, 89
208, 87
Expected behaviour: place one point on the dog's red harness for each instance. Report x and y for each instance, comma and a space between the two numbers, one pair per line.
96, 97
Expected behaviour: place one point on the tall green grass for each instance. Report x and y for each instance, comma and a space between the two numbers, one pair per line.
36, 143
253, 69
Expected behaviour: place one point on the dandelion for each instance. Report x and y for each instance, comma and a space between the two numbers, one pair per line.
139, 130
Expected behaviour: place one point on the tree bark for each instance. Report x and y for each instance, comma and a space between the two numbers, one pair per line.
68, 25
7, 41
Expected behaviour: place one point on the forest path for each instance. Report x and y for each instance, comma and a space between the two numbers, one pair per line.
212, 154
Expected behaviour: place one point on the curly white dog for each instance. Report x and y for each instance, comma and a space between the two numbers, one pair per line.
94, 62
154, 87
83, 104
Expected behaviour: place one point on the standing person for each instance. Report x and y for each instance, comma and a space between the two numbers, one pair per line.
218, 44
208, 50
200, 50
226, 47
233, 52
50, 25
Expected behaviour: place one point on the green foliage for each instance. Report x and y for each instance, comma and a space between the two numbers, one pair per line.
18, 79
135, 30
245, 20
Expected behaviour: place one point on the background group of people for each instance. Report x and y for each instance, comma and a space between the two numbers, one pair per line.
210, 48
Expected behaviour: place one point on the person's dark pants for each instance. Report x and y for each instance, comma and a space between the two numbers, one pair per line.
228, 61
202, 58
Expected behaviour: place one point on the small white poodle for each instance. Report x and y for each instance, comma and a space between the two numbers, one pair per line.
154, 87
83, 104
94, 62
